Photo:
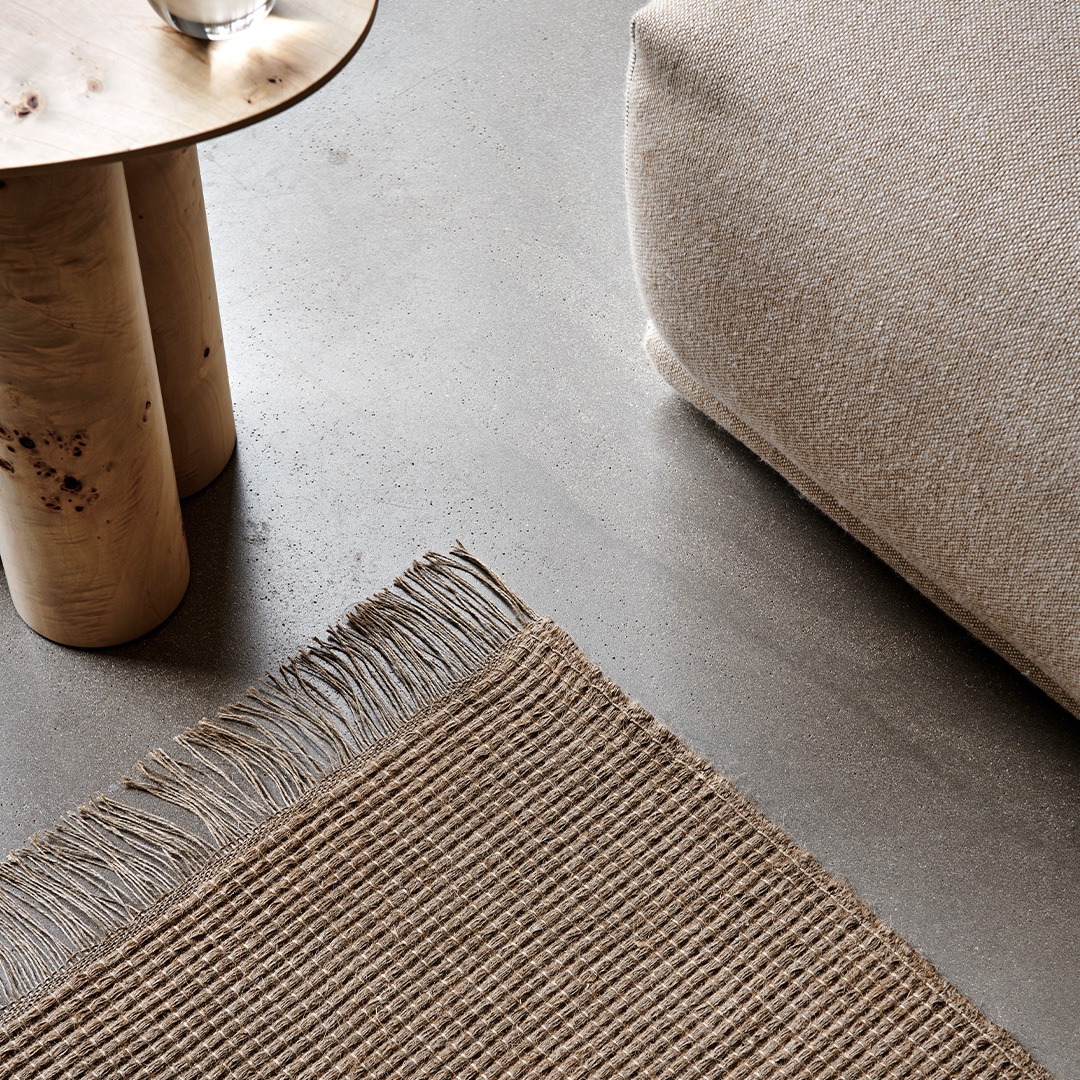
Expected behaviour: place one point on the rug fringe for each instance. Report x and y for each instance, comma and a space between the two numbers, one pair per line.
106, 862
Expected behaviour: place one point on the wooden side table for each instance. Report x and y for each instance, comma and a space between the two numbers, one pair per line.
114, 395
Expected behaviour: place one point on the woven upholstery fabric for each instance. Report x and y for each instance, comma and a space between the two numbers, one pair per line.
856, 233
530, 878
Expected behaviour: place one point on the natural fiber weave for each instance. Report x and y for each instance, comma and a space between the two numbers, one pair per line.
526, 876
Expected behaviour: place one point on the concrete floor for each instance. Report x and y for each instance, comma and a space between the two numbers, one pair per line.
434, 332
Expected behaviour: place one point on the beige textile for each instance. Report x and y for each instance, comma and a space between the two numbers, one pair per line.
857, 234
526, 876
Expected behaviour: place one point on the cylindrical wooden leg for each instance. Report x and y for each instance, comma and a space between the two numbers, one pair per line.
90, 532
167, 207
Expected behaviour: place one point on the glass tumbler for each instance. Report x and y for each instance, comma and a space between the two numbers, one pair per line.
211, 19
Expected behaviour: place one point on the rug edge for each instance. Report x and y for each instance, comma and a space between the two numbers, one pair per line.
839, 889
104, 864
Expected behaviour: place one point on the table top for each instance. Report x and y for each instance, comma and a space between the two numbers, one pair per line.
99, 80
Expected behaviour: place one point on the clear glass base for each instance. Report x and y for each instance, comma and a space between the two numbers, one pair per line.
224, 18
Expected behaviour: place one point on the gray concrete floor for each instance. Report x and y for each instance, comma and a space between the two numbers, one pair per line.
434, 332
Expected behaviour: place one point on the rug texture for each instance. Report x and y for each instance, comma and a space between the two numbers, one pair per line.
440, 843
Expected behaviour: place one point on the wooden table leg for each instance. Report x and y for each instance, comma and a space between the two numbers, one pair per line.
90, 531
165, 191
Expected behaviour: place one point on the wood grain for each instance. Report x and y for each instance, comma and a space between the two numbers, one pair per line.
90, 532
167, 211
99, 81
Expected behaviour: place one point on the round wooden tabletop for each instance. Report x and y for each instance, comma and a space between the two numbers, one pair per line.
99, 80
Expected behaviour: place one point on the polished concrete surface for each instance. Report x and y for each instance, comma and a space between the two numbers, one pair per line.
434, 333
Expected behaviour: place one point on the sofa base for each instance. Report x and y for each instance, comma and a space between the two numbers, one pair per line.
677, 376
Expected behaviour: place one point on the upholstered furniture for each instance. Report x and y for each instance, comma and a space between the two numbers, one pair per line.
857, 235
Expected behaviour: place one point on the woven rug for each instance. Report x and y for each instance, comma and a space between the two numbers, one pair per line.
440, 843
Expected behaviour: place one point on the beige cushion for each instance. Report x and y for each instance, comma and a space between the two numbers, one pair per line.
857, 234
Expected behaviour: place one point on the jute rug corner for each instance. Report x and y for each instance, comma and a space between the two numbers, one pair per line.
439, 842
